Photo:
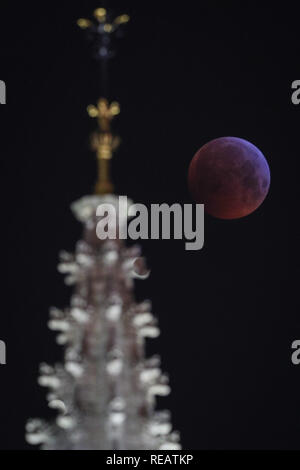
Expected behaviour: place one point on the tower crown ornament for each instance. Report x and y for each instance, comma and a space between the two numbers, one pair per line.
102, 31
103, 18
104, 27
103, 142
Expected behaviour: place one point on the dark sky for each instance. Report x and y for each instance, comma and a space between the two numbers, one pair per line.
228, 313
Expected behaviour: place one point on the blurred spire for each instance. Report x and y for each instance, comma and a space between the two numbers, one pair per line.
102, 31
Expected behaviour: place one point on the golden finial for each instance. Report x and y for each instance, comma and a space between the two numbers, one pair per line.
104, 142
102, 17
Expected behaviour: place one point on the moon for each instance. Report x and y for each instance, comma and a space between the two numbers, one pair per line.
230, 176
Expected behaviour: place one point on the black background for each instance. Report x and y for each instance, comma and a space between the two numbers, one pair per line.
184, 74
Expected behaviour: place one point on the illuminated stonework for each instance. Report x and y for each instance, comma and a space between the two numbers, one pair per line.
105, 390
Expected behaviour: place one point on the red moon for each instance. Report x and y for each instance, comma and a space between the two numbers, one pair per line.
230, 176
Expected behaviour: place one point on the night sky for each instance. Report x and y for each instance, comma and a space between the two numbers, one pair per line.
229, 312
